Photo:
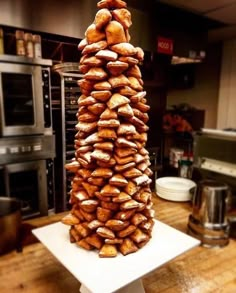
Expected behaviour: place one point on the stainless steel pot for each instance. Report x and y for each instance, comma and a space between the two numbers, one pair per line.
208, 221
10, 224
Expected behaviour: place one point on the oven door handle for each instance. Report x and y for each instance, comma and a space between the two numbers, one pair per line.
6, 180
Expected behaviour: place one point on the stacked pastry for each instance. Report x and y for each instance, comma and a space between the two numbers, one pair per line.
110, 193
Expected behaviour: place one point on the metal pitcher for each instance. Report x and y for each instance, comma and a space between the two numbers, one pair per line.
208, 221
10, 224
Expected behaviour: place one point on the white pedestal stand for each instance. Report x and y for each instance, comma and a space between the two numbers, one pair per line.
121, 274
134, 287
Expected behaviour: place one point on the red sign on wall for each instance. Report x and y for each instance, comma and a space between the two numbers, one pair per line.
165, 46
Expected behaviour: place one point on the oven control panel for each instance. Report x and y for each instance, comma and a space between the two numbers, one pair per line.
224, 168
4, 150
29, 148
46, 97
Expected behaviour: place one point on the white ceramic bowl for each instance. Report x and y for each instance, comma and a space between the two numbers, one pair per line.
175, 188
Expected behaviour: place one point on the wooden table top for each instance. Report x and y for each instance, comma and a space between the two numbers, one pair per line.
199, 270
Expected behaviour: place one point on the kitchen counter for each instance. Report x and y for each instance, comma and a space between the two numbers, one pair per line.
201, 269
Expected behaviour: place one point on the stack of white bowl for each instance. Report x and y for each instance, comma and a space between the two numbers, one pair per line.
175, 188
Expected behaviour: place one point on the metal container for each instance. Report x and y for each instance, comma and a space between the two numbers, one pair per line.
10, 224
208, 221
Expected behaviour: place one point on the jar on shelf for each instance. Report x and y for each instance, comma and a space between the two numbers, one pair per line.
29, 46
185, 168
1, 41
37, 46
20, 43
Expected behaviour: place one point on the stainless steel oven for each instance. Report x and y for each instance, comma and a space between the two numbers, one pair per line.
25, 104
26, 173
214, 158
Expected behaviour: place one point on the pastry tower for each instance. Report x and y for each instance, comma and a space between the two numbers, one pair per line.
110, 191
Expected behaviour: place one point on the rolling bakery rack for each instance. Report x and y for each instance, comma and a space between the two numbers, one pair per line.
65, 93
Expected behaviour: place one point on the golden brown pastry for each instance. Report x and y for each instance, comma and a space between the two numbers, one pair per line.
119, 81
95, 47
131, 188
74, 235
102, 17
72, 166
116, 101
94, 240
132, 173
126, 129
117, 67
128, 59
123, 16
124, 49
108, 164
104, 215
134, 71
89, 205
101, 155
106, 146
121, 168
123, 160
127, 231
125, 143
96, 73
111, 4
92, 61
86, 126
88, 117
81, 195
82, 230
139, 236
142, 107
82, 44
108, 250
91, 139
84, 244
127, 91
107, 55
109, 190
113, 123
102, 85
114, 241
86, 101
118, 180
116, 225
139, 54
88, 217
85, 84
143, 196
109, 205
102, 172
125, 111
94, 224
94, 35
134, 83
141, 179
125, 152
97, 108
70, 220
107, 133
91, 189
109, 114
137, 219
96, 181
122, 197
115, 33
101, 95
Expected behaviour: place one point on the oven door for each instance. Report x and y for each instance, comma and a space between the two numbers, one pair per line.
28, 183
21, 100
